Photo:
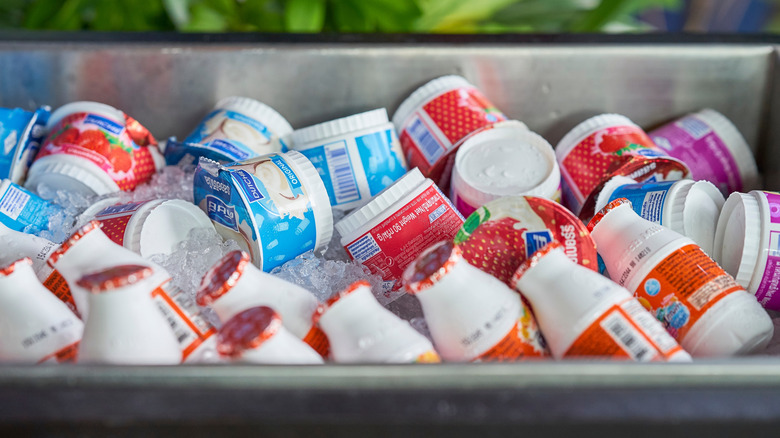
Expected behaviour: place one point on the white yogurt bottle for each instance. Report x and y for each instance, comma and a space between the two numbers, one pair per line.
356, 156
90, 149
360, 330
236, 129
747, 243
582, 313
234, 285
90, 250
505, 159
150, 227
688, 207
472, 315
388, 233
697, 301
257, 335
124, 326
36, 327
713, 149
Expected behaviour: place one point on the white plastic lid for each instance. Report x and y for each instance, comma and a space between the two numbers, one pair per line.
259, 111
694, 210
588, 127
305, 137
85, 107
733, 139
71, 173
158, 228
424, 94
505, 160
609, 188
381, 202
318, 196
738, 236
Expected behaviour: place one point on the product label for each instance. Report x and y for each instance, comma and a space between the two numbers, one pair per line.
770, 281
693, 142
233, 135
394, 243
115, 219
682, 287
625, 331
20, 208
59, 287
318, 341
183, 315
65, 355
524, 340
20, 138
647, 199
434, 129
337, 171
105, 143
429, 356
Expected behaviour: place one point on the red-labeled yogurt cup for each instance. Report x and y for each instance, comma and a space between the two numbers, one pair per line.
433, 121
388, 233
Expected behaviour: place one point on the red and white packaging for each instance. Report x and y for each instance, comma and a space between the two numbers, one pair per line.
388, 233
584, 314
90, 250
234, 285
36, 326
700, 305
124, 326
94, 148
602, 147
434, 120
502, 234
257, 335
360, 330
472, 315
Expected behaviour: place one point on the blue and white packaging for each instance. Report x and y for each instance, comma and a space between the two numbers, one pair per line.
21, 133
237, 129
23, 210
275, 206
357, 156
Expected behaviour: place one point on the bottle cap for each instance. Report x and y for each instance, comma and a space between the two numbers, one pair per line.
534, 259
353, 287
114, 278
334, 128
603, 212
247, 330
222, 277
431, 266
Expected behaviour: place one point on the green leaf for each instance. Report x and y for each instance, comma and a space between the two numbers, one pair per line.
205, 19
304, 15
345, 16
456, 15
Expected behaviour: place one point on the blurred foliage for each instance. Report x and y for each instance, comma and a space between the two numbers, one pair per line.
423, 16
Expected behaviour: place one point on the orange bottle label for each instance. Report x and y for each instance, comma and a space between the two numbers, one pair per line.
318, 341
67, 354
428, 357
523, 341
682, 287
59, 287
191, 330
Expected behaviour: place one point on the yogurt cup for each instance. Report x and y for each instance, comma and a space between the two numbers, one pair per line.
36, 326
436, 117
712, 148
236, 129
747, 241
22, 210
124, 326
90, 150
504, 160
257, 335
151, 227
21, 135
502, 234
700, 305
388, 233
360, 330
599, 147
688, 207
356, 156
471, 315
275, 206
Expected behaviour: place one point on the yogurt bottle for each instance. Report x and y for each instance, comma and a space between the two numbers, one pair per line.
602, 147
504, 160
234, 285
700, 305
472, 316
124, 326
22, 210
435, 118
502, 234
747, 243
356, 156
20, 136
360, 330
90, 250
584, 314
688, 207
388, 233
257, 335
275, 206
236, 129
36, 326
712, 148
150, 227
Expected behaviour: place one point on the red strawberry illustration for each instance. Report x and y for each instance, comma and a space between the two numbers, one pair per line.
496, 247
94, 140
120, 160
70, 136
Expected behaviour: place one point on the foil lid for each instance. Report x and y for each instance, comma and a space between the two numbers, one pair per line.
431, 266
247, 330
222, 277
114, 278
